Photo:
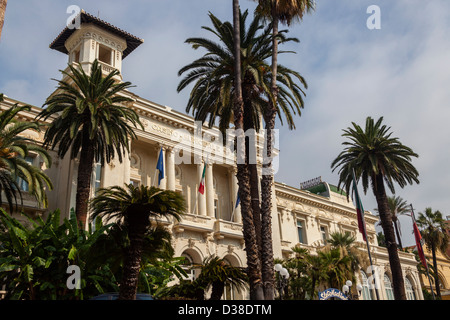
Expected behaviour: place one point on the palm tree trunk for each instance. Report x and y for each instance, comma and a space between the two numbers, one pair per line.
313, 288
268, 272
249, 232
3, 4
217, 290
84, 180
388, 230
254, 178
137, 224
436, 274
397, 232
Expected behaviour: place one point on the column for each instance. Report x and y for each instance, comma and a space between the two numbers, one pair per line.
209, 186
201, 199
234, 189
170, 167
127, 167
276, 234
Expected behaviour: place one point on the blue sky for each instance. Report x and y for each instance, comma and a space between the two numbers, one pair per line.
401, 72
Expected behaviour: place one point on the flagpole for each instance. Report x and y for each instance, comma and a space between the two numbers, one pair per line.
365, 237
158, 170
195, 203
413, 216
155, 178
237, 202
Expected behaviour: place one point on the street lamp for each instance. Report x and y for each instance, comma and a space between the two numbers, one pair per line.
283, 276
359, 288
348, 287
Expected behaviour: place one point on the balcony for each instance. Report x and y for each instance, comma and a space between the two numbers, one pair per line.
202, 224
106, 68
227, 229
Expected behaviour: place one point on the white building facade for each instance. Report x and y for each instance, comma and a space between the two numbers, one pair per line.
212, 225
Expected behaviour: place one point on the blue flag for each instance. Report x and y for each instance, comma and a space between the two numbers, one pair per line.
237, 201
160, 167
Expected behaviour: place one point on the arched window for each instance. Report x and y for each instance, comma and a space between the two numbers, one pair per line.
188, 267
231, 292
410, 295
366, 292
388, 288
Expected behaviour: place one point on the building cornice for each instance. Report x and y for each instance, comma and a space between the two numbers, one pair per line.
318, 201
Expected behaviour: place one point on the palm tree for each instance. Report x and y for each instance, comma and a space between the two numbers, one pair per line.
91, 122
381, 239
397, 207
3, 4
243, 175
374, 155
309, 270
217, 273
345, 243
211, 97
284, 11
336, 267
315, 271
14, 167
433, 232
136, 205
157, 254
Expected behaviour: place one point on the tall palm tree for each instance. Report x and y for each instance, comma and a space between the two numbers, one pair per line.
284, 11
14, 167
243, 175
212, 95
91, 121
136, 206
3, 4
433, 232
373, 155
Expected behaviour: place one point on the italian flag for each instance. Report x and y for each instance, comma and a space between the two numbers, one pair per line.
418, 238
201, 188
359, 210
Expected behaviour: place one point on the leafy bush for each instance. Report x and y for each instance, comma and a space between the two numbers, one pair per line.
35, 256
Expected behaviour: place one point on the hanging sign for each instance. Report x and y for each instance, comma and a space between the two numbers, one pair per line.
332, 293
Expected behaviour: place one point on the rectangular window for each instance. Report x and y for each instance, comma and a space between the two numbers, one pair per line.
216, 209
104, 54
300, 231
97, 177
21, 183
280, 225
323, 232
76, 57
